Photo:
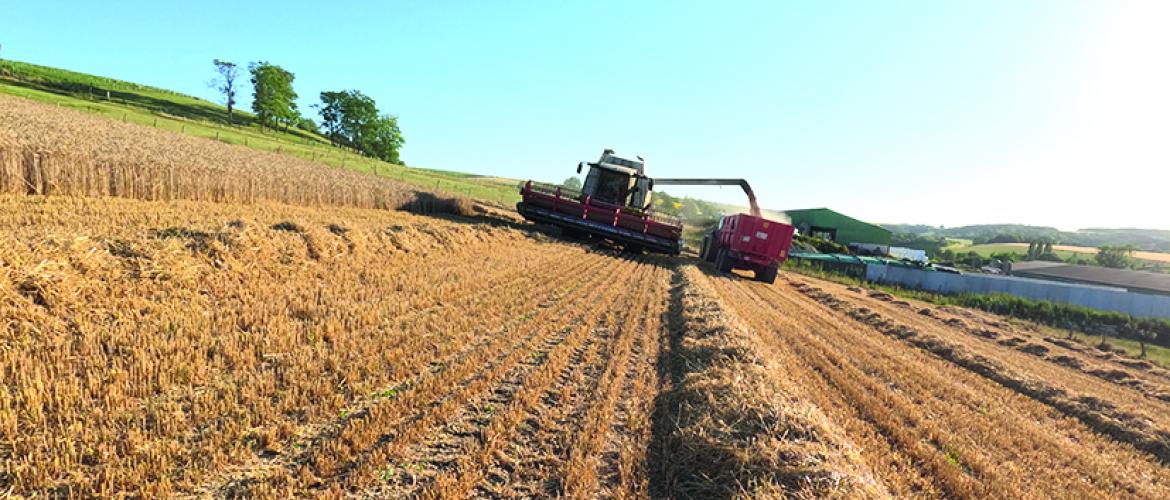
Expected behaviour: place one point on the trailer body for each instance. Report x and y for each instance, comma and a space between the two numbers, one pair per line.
743, 241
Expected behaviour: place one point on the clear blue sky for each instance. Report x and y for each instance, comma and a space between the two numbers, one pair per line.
1041, 112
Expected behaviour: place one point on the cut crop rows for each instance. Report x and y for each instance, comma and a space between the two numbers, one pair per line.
186, 348
927, 424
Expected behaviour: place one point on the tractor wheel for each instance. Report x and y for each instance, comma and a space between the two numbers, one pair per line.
713, 236
723, 262
710, 244
767, 275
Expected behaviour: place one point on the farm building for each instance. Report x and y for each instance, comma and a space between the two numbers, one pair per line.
838, 227
1134, 281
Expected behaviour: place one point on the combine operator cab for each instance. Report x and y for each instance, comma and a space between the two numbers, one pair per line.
618, 181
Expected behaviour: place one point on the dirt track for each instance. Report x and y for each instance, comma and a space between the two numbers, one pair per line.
212, 350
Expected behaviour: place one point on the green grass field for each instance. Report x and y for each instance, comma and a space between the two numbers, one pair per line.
159, 108
987, 250
1154, 353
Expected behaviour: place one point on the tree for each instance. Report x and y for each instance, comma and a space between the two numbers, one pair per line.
1005, 256
273, 97
382, 139
351, 119
225, 83
663, 202
308, 125
1117, 256
945, 255
1143, 331
572, 183
1005, 238
345, 115
358, 114
331, 113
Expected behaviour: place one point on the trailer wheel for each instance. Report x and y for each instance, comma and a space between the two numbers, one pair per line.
722, 262
767, 275
714, 238
705, 249
709, 247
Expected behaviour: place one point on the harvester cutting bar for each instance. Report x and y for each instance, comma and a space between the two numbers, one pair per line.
569, 209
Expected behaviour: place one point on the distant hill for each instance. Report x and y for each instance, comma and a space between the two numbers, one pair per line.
1145, 239
921, 229
1154, 240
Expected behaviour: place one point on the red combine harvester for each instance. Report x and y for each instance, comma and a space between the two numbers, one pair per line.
615, 203
743, 241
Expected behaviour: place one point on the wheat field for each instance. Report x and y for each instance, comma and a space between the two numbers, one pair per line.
46, 150
178, 339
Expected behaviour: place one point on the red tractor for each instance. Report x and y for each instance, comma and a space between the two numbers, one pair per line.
743, 241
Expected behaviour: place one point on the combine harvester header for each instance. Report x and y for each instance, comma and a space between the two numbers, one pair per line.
615, 203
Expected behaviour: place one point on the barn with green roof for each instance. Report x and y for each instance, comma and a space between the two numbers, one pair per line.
838, 227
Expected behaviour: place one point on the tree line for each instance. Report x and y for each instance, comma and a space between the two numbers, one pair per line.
1042, 248
349, 118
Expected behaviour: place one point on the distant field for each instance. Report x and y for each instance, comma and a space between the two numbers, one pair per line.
1154, 256
993, 248
165, 110
1064, 251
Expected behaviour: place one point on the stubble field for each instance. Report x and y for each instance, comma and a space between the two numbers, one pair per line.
275, 343
206, 349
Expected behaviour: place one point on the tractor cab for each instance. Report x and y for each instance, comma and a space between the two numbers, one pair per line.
616, 180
